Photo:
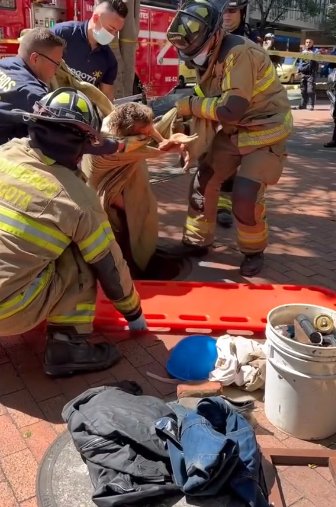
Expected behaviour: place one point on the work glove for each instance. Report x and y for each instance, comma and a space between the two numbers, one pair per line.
138, 324
184, 106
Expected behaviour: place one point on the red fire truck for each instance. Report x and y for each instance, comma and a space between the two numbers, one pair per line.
156, 60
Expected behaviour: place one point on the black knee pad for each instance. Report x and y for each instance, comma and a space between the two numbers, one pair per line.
198, 185
244, 198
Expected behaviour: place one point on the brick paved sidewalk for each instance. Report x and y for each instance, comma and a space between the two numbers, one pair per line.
302, 251
301, 214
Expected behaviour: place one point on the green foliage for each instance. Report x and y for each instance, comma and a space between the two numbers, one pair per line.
331, 21
272, 11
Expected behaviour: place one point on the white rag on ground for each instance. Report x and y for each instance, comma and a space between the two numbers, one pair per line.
240, 361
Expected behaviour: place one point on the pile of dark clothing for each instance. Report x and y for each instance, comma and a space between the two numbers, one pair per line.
138, 447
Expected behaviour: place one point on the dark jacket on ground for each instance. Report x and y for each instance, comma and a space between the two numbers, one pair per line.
129, 443
115, 433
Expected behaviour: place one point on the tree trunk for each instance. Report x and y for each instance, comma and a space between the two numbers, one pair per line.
125, 50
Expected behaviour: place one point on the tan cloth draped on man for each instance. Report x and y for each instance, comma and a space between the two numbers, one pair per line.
124, 174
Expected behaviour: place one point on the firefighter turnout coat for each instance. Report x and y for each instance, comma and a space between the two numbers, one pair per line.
52, 228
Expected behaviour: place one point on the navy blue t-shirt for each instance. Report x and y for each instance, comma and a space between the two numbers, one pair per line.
98, 65
19, 89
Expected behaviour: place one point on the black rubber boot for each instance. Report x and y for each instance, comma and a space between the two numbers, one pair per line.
67, 353
224, 218
252, 264
185, 250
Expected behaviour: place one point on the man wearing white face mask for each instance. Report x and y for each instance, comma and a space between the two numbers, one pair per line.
88, 53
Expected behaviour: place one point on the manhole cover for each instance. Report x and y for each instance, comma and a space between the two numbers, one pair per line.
63, 481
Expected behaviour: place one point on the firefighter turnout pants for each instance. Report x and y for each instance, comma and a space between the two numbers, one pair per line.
69, 299
253, 172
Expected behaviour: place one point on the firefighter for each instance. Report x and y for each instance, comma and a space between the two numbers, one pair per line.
234, 19
88, 53
24, 79
238, 88
55, 239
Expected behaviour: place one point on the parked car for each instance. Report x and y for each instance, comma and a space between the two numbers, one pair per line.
287, 70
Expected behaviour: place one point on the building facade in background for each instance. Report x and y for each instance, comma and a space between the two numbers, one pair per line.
293, 27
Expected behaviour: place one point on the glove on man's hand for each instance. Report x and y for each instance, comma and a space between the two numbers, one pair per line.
139, 324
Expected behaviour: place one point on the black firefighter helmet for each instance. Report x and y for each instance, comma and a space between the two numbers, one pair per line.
237, 4
67, 107
194, 25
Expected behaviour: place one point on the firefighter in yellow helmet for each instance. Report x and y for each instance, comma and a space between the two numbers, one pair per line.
239, 89
55, 239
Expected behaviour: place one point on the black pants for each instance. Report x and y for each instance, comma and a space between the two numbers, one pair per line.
307, 86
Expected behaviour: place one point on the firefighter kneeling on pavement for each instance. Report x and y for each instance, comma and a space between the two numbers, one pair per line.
55, 239
238, 89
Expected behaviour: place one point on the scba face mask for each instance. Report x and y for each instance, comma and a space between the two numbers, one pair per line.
102, 36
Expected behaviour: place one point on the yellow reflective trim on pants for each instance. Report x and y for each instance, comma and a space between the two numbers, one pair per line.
266, 137
224, 203
81, 315
266, 81
75, 319
96, 243
196, 225
33, 231
21, 301
129, 303
252, 237
86, 306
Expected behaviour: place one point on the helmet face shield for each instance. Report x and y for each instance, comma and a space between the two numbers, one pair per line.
194, 25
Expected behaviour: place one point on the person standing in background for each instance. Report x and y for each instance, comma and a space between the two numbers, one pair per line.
88, 54
308, 69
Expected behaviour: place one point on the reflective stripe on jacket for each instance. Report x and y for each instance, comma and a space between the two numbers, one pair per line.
45, 207
244, 94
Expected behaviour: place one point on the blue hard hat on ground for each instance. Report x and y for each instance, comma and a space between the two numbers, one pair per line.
193, 358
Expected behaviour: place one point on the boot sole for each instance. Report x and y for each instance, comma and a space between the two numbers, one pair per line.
68, 370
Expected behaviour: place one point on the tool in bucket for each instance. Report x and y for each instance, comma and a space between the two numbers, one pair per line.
309, 335
324, 324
